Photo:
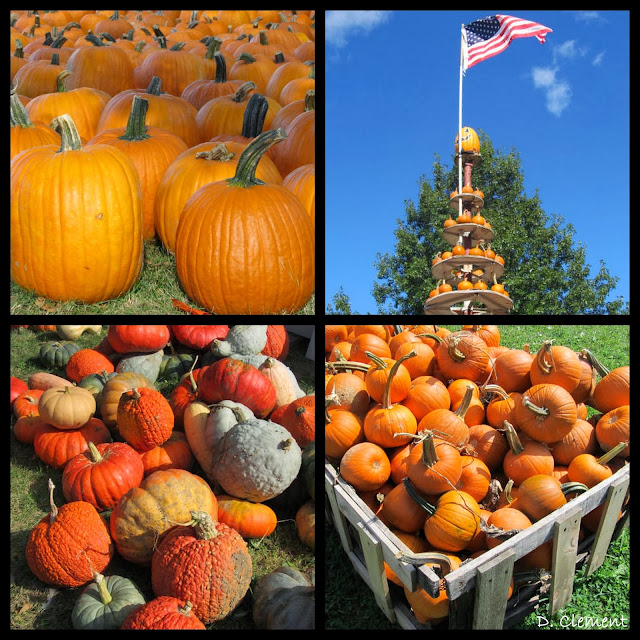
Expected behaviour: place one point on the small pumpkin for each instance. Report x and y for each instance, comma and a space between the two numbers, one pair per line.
57, 354
249, 519
306, 524
69, 544
163, 612
67, 407
105, 603
145, 419
205, 562
284, 599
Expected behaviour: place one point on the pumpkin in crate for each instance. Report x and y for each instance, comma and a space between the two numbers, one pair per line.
161, 613
102, 474
145, 418
232, 379
98, 190
219, 269
105, 603
284, 599
205, 562
69, 544
258, 460
144, 513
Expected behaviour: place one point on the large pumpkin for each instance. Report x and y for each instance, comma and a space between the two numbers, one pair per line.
205, 562
144, 513
246, 247
470, 141
86, 243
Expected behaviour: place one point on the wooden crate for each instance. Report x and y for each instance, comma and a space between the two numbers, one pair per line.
478, 589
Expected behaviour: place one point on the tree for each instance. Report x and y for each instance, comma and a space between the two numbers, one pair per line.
342, 304
545, 271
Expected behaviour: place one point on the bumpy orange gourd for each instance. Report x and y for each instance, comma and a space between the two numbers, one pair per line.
69, 544
246, 247
163, 613
86, 243
204, 562
145, 419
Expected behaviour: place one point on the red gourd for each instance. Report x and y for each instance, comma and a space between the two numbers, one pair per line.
145, 419
205, 562
138, 337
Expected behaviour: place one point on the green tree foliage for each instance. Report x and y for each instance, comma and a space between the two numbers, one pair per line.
342, 304
545, 270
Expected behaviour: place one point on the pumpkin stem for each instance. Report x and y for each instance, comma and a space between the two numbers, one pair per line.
186, 609
429, 453
380, 363
595, 363
573, 487
462, 409
497, 389
248, 163
53, 513
541, 412
417, 498
512, 438
94, 454
69, 135
612, 453
386, 396
105, 596
19, 115
544, 357
136, 128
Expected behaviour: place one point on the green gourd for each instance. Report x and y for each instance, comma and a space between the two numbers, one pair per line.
105, 603
57, 354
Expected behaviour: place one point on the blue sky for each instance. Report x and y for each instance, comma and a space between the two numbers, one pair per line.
392, 103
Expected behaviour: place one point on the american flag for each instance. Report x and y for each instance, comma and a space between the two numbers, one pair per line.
492, 35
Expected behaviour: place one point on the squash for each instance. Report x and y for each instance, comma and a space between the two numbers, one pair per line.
67, 407
144, 513
112, 391
57, 354
298, 418
249, 519
283, 379
85, 362
74, 331
199, 337
284, 599
306, 524
205, 562
145, 364
43, 381
258, 460
69, 544
105, 603
175, 453
163, 612
138, 337
144, 419
242, 339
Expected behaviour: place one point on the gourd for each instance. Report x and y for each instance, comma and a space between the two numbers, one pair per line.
163, 612
144, 513
138, 337
258, 460
283, 380
284, 599
105, 603
43, 381
205, 562
205, 427
74, 331
145, 364
67, 407
69, 544
112, 391
57, 354
85, 362
242, 339
306, 524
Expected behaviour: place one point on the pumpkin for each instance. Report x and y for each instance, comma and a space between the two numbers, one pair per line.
450, 425
365, 466
27, 402
112, 391
242, 339
69, 544
249, 519
175, 453
507, 519
138, 337
589, 470
84, 362
18, 387
426, 394
555, 364
26, 134
184, 394
298, 418
613, 427
258, 460
306, 524
205, 427
400, 511
94, 383
152, 150
145, 512
218, 269
581, 439
102, 474
433, 465
205, 562
525, 457
57, 354
302, 183
343, 429
199, 337
163, 612
284, 599
98, 189
232, 379
25, 427
487, 444
145, 418
105, 603
475, 478
67, 407
74, 331
546, 412
56, 447
470, 141
612, 390
463, 354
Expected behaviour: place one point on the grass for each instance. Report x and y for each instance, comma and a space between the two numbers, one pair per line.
350, 604
151, 295
34, 605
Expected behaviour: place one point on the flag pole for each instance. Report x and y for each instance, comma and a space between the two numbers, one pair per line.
462, 42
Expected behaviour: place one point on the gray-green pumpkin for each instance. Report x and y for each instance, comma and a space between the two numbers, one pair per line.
175, 364
94, 383
284, 599
57, 354
105, 603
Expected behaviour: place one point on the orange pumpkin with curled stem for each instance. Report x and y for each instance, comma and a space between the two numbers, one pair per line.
589, 470
525, 457
434, 465
228, 228
556, 364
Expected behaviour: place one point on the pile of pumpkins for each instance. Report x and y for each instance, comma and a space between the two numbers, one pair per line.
141, 111
241, 416
457, 442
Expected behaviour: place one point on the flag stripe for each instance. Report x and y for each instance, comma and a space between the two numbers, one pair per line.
485, 46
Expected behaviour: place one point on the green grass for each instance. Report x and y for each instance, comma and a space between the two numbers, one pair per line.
151, 295
350, 604
34, 605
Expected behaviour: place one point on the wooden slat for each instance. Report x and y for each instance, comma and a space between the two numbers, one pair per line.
565, 548
492, 588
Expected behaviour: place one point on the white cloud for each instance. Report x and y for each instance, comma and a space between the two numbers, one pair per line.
558, 92
588, 16
339, 25
597, 61
568, 50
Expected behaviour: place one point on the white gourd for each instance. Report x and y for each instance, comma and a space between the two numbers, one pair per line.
74, 331
243, 339
283, 380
